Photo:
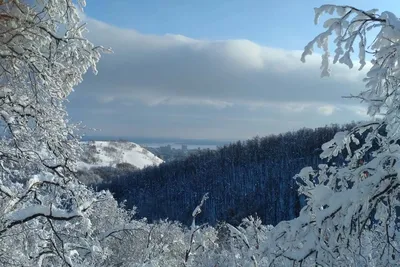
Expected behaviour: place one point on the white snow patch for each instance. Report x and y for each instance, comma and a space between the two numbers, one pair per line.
111, 153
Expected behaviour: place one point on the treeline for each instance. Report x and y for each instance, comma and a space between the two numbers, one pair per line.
243, 178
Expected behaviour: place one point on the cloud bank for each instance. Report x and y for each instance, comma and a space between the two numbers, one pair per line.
232, 80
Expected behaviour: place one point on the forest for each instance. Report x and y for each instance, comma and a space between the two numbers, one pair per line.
253, 177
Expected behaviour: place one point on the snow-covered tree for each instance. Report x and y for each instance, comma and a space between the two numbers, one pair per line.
44, 211
43, 55
351, 215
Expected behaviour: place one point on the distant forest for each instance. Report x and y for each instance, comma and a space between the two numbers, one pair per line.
253, 177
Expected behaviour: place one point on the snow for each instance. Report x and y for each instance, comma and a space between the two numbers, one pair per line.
110, 153
32, 210
41, 177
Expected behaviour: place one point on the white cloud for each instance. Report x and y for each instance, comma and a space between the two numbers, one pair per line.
326, 110
105, 98
175, 72
359, 110
188, 101
175, 66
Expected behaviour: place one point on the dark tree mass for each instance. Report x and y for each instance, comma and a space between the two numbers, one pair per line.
253, 177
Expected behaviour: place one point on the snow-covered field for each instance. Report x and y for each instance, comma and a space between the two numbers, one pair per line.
111, 153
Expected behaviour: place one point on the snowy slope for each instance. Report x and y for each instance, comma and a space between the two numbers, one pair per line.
110, 153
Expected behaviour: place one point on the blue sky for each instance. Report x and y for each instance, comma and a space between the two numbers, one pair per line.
285, 24
210, 69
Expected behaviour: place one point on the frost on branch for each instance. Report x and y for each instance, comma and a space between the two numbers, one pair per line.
43, 56
350, 218
349, 27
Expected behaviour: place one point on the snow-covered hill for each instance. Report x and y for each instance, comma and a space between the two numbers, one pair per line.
111, 153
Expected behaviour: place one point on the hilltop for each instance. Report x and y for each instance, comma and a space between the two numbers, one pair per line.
111, 153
